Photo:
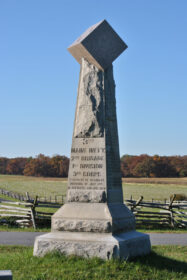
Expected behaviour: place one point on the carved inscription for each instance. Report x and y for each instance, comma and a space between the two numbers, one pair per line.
87, 164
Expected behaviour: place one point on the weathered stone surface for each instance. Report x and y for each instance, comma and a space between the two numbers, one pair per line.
85, 217
122, 217
86, 196
105, 246
89, 120
82, 225
93, 217
100, 45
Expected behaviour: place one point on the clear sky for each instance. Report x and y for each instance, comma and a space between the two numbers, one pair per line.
39, 78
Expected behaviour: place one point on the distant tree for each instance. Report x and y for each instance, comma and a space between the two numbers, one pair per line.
145, 168
183, 172
16, 166
56, 166
125, 166
153, 166
164, 168
183, 169
38, 166
3, 165
59, 166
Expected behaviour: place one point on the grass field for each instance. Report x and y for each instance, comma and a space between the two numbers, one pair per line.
34, 185
164, 263
157, 188
173, 181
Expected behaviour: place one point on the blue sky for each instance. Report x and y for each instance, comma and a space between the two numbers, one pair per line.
39, 78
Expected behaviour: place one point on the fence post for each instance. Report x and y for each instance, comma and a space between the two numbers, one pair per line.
33, 212
170, 209
137, 203
27, 196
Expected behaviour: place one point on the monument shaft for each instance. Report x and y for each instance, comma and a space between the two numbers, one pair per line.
94, 174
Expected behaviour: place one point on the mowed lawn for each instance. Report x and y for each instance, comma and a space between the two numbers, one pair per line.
156, 188
164, 263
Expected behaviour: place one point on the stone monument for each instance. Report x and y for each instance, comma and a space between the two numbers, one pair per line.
94, 220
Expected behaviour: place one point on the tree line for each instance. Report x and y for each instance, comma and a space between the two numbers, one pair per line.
40, 166
154, 166
131, 166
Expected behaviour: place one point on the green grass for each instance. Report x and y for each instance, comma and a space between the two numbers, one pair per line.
5, 197
34, 185
173, 181
164, 263
48, 229
161, 230
155, 191
18, 229
57, 186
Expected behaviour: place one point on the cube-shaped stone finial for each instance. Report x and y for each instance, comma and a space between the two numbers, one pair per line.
99, 45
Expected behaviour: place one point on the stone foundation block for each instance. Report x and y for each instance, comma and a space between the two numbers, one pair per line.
105, 246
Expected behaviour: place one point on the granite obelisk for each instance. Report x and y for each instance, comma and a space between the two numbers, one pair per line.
94, 220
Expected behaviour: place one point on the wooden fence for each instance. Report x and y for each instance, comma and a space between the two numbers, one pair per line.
169, 214
20, 212
26, 214
27, 196
14, 195
43, 215
148, 213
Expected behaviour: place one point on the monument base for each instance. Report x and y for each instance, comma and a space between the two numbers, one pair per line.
105, 246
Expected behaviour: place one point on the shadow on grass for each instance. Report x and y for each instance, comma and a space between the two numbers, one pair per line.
159, 262
156, 227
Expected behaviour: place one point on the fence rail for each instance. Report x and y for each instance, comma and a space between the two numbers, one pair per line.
171, 213
26, 214
28, 217
27, 196
15, 210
